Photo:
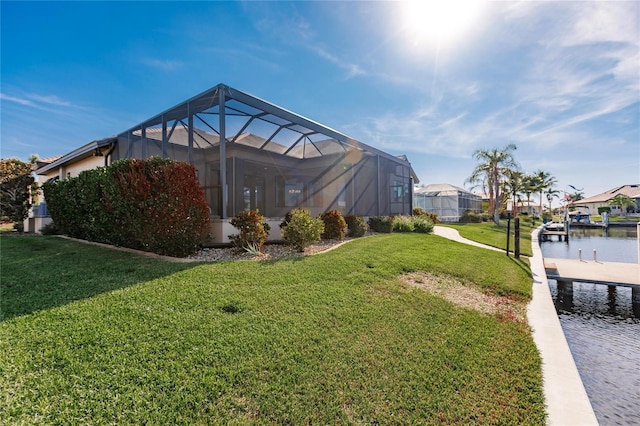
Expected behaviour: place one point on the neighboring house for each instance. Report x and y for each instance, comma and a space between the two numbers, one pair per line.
251, 154
528, 207
38, 214
449, 202
602, 200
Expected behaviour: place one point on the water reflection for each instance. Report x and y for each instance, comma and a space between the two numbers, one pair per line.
612, 245
602, 325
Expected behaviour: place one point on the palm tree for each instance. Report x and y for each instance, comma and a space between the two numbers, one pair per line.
544, 181
514, 185
551, 193
529, 185
622, 201
490, 173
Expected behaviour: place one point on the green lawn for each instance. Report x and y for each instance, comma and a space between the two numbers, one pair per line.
496, 235
92, 336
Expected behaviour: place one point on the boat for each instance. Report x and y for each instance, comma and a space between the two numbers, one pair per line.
554, 226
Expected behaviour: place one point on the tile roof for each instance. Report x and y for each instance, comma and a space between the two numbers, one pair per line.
632, 191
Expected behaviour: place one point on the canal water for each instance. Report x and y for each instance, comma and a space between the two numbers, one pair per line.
601, 324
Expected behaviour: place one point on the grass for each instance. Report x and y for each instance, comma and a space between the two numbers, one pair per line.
598, 218
496, 235
91, 335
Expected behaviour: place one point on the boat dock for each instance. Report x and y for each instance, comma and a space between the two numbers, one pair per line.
546, 235
609, 273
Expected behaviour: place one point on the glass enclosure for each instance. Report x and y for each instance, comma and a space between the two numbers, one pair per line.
447, 201
252, 154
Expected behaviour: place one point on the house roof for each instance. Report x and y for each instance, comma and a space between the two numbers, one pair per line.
78, 154
435, 189
632, 191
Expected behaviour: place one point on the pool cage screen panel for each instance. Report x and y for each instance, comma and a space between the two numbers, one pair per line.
448, 204
251, 154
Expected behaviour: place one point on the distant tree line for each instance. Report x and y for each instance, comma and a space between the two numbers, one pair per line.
499, 175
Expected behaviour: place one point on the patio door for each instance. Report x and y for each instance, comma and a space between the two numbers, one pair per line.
253, 193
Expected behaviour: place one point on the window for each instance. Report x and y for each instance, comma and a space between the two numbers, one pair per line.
253, 193
399, 191
292, 192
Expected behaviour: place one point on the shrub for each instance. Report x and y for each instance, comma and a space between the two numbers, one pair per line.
286, 220
154, 205
470, 217
356, 226
253, 231
418, 211
422, 224
302, 229
382, 224
603, 209
402, 224
334, 225
50, 229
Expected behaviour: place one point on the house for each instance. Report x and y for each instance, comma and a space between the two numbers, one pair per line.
602, 200
252, 154
449, 202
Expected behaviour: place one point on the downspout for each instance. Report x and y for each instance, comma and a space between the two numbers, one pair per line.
107, 160
410, 193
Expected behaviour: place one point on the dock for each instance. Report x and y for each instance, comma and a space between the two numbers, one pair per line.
609, 273
547, 235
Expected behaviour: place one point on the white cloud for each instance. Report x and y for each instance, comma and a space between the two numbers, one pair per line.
353, 70
20, 101
37, 100
162, 64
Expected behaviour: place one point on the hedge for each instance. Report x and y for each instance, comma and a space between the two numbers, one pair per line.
154, 205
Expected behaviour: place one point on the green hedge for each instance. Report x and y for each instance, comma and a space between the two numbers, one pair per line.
154, 205
356, 226
300, 229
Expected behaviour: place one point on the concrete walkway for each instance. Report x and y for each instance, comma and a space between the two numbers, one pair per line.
454, 235
565, 397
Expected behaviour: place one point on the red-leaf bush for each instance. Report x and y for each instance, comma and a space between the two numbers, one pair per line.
154, 205
334, 225
254, 231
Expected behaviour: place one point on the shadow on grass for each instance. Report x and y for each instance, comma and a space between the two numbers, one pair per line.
44, 272
522, 264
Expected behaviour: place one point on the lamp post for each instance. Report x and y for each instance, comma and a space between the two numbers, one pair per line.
508, 230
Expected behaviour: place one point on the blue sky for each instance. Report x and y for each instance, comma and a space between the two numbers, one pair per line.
561, 80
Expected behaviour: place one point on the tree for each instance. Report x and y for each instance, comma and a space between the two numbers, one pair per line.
514, 185
551, 193
544, 181
490, 174
16, 185
576, 196
528, 187
622, 201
